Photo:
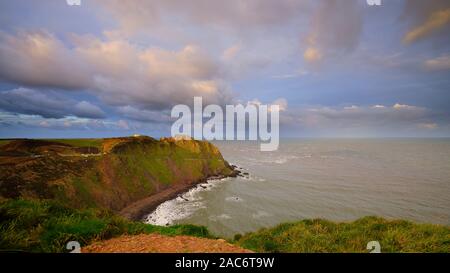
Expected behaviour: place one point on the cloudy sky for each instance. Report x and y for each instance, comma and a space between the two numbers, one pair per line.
338, 68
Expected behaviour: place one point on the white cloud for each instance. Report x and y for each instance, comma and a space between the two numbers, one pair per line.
282, 103
378, 106
428, 126
40, 59
439, 63
353, 107
117, 71
299, 73
312, 55
136, 15
358, 120
231, 52
399, 106
255, 102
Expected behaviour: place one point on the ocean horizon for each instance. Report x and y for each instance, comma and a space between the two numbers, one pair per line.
338, 179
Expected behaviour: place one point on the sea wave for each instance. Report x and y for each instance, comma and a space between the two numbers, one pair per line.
260, 214
234, 199
183, 206
282, 159
220, 217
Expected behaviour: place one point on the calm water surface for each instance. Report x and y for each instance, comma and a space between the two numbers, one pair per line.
341, 179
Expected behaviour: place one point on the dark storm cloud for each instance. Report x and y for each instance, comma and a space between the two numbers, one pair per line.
47, 105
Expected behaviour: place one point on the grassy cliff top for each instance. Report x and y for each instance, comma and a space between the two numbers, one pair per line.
325, 236
100, 145
105, 173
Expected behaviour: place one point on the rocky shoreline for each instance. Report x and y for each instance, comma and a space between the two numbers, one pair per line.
139, 209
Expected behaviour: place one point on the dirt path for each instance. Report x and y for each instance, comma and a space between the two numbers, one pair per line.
156, 243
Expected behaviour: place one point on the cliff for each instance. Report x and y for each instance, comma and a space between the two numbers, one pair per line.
108, 173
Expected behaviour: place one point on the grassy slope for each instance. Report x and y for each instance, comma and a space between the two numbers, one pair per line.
46, 226
135, 170
90, 187
130, 169
326, 236
80, 142
4, 142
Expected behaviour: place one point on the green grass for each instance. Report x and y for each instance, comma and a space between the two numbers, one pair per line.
325, 236
4, 142
84, 191
134, 169
46, 226
80, 142
164, 163
76, 142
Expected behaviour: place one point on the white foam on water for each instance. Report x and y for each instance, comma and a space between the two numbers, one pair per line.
281, 161
170, 211
234, 199
181, 207
260, 214
272, 159
219, 217
284, 159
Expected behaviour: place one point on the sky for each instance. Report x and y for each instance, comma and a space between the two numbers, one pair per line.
337, 68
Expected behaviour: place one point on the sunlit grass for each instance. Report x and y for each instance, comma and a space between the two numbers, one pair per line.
80, 142
46, 226
325, 236
4, 142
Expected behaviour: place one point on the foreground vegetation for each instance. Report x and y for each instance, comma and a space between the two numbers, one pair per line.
325, 236
46, 226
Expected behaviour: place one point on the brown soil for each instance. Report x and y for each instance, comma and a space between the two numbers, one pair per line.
156, 243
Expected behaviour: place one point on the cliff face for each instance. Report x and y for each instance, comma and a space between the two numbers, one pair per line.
106, 173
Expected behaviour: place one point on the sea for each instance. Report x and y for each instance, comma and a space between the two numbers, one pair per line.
334, 179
